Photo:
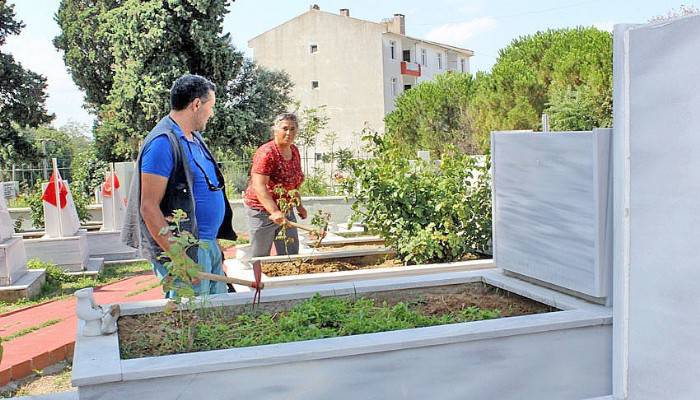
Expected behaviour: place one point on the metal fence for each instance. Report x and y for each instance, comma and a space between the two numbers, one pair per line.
27, 175
319, 175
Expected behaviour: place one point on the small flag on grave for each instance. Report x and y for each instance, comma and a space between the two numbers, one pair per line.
50, 191
107, 185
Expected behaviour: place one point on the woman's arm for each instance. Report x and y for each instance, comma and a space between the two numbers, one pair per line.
259, 183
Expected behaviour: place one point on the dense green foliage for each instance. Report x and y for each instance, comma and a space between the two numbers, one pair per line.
23, 95
87, 171
566, 73
135, 49
314, 318
424, 212
434, 115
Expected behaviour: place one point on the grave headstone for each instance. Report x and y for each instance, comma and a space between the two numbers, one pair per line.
551, 202
113, 203
12, 255
657, 209
6, 226
15, 281
57, 199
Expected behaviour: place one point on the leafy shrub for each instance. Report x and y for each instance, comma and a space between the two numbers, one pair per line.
55, 276
315, 184
88, 172
424, 212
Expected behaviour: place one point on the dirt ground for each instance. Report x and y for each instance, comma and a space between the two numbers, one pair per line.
336, 265
52, 379
316, 266
433, 301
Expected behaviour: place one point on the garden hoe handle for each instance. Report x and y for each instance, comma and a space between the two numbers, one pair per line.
257, 284
321, 233
303, 227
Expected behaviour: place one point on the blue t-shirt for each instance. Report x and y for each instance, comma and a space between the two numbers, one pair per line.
157, 159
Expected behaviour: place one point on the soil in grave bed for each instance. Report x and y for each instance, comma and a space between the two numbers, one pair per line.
313, 266
218, 328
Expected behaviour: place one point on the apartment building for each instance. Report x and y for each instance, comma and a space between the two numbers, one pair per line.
356, 68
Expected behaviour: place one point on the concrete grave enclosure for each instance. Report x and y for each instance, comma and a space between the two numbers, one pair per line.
554, 355
601, 225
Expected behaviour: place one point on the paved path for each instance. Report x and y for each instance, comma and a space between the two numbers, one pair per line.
54, 343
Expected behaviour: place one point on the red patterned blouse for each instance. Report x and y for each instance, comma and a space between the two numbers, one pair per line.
268, 161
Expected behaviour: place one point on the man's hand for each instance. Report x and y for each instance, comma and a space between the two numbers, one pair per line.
277, 217
302, 212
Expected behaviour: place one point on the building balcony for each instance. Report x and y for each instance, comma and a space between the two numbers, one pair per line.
410, 68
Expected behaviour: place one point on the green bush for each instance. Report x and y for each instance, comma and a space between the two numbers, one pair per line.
315, 184
88, 172
55, 276
424, 212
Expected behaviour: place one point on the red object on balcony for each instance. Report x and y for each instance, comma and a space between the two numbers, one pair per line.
410, 68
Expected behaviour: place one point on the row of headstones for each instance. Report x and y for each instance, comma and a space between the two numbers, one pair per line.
612, 214
63, 235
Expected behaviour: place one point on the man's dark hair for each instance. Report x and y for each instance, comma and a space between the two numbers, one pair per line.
187, 88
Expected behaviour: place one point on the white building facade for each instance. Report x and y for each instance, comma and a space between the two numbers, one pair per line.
355, 68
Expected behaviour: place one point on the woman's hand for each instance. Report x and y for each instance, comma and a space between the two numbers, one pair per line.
302, 212
277, 217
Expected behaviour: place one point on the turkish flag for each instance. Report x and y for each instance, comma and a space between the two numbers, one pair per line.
50, 192
107, 186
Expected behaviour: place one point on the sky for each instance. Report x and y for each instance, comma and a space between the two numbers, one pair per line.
484, 26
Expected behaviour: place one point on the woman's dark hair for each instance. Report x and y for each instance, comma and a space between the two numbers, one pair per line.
187, 88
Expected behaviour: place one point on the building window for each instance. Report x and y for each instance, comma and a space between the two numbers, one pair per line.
313, 48
424, 57
392, 48
462, 65
406, 87
394, 87
439, 61
314, 84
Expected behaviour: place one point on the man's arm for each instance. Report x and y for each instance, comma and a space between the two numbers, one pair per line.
152, 191
259, 182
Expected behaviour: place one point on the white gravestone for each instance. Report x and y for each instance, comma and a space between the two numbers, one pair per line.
113, 205
13, 257
657, 204
6, 227
68, 220
552, 217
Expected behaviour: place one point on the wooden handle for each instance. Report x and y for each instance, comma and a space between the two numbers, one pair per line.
228, 279
303, 227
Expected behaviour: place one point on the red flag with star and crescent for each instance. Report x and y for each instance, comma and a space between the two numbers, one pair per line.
50, 192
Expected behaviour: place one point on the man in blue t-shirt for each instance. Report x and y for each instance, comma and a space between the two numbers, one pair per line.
192, 99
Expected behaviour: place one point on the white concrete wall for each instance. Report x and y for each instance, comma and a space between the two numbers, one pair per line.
551, 207
657, 120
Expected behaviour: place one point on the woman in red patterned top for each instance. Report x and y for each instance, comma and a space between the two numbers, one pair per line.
276, 162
